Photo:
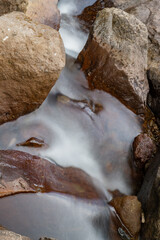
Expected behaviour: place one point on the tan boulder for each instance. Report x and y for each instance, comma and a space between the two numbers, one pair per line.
114, 58
129, 210
31, 58
45, 12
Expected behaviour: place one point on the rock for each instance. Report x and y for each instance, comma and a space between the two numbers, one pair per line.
129, 210
31, 58
47, 238
88, 16
45, 12
149, 195
149, 13
34, 174
33, 142
8, 235
143, 150
114, 58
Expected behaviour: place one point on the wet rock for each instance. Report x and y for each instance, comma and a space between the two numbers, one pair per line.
31, 58
149, 195
45, 12
45, 238
129, 210
22, 172
114, 58
143, 150
8, 235
85, 104
33, 142
88, 16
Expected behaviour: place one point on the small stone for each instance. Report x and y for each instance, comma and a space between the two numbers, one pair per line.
143, 150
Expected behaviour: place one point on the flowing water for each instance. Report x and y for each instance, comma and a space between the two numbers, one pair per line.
87, 129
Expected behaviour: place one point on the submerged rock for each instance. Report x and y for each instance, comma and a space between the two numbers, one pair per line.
8, 235
114, 58
129, 210
33, 142
149, 195
143, 149
45, 12
45, 238
31, 58
22, 172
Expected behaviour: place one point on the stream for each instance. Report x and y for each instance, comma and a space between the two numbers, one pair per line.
90, 130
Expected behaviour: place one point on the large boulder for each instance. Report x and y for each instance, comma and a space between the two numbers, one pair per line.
114, 58
149, 13
45, 12
31, 58
149, 196
34, 174
88, 15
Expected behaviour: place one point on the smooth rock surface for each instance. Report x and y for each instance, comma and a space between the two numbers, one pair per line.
21, 172
31, 58
45, 12
129, 210
114, 58
143, 150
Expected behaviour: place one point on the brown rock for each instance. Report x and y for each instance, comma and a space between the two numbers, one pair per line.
32, 142
143, 149
8, 235
45, 238
88, 15
31, 59
149, 13
45, 12
34, 174
149, 195
115, 57
129, 210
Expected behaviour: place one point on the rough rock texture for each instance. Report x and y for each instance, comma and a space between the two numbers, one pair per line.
149, 196
129, 210
88, 16
8, 235
22, 172
41, 11
149, 13
114, 58
143, 149
31, 59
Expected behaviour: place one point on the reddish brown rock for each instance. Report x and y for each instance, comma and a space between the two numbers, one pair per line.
31, 58
45, 12
129, 210
22, 172
88, 16
114, 58
33, 142
143, 149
